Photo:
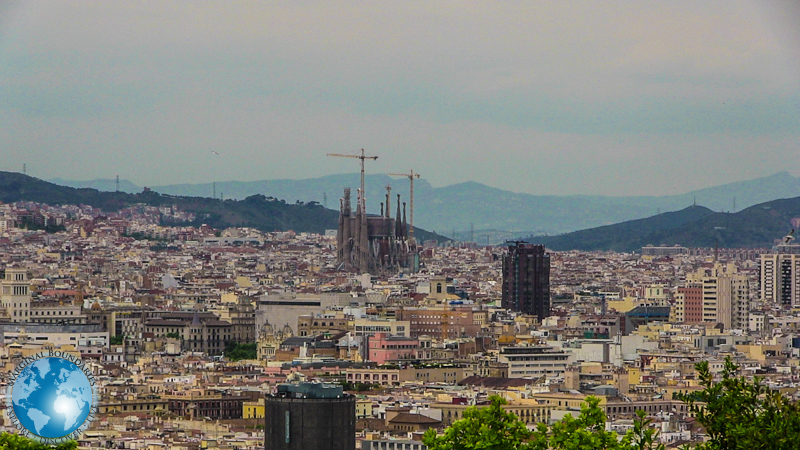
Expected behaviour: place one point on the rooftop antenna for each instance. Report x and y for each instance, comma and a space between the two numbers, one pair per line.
362, 158
117, 183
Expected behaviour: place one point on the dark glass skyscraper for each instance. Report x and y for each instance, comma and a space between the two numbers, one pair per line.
526, 279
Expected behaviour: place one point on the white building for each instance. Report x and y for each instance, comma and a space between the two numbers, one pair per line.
58, 335
534, 361
780, 278
16, 294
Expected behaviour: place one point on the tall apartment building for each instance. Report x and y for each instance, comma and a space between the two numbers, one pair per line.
688, 307
725, 295
780, 276
526, 280
16, 294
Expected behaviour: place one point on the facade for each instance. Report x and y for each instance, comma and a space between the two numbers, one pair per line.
214, 406
725, 295
368, 327
374, 244
85, 335
315, 325
56, 312
526, 280
286, 308
395, 444
534, 361
383, 348
780, 278
310, 416
253, 410
384, 377
447, 323
650, 250
138, 405
530, 413
200, 332
688, 306
242, 317
16, 295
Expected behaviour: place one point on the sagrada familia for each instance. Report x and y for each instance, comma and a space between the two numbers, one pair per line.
375, 244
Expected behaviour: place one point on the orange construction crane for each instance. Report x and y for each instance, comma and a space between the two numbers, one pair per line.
362, 158
410, 177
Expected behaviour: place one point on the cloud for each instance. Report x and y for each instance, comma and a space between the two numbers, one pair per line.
491, 91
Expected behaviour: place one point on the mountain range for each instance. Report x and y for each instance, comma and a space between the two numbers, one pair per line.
256, 211
759, 226
455, 209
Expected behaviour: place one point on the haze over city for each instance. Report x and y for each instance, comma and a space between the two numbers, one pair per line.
622, 98
400, 225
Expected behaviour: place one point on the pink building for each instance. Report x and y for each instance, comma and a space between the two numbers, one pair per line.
384, 348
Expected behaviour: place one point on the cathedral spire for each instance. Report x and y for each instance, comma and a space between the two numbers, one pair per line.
398, 227
405, 223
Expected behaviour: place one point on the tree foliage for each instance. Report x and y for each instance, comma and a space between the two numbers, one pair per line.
236, 351
490, 428
493, 428
9, 441
742, 414
737, 414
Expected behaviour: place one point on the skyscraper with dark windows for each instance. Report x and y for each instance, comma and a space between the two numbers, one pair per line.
526, 279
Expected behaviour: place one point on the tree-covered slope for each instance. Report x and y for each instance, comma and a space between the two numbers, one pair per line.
696, 226
256, 211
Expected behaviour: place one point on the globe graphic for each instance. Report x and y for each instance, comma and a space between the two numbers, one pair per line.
52, 397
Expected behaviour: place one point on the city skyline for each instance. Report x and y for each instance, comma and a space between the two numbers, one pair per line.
619, 99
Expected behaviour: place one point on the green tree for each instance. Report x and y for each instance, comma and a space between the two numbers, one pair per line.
742, 414
173, 335
9, 441
236, 351
490, 428
585, 432
493, 428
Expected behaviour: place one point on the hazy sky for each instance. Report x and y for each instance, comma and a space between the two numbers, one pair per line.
550, 97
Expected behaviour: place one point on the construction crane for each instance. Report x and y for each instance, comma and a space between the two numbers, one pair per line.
410, 177
362, 158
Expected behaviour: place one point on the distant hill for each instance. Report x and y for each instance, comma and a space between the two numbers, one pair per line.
101, 184
457, 207
757, 226
256, 211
